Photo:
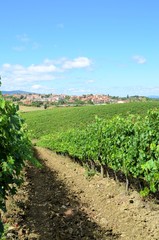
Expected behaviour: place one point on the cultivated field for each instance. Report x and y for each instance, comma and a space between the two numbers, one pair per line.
63, 118
65, 201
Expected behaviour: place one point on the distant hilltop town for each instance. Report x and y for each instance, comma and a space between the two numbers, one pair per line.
38, 100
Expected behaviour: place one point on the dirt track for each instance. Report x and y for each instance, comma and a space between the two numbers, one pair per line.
58, 202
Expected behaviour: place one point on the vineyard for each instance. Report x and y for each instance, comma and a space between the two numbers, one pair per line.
129, 145
60, 119
120, 137
120, 140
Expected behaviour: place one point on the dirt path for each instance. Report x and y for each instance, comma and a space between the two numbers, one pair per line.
57, 202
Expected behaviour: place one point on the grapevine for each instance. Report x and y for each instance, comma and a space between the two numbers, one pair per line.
15, 149
126, 144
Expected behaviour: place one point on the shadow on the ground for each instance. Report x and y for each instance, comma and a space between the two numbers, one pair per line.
55, 213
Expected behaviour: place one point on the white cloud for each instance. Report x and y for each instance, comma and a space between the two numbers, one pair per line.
36, 87
139, 59
80, 62
59, 61
42, 68
16, 76
16, 69
6, 65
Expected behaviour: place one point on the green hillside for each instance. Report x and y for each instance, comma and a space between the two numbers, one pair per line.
63, 118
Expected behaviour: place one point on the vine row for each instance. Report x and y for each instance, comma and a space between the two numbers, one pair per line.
126, 144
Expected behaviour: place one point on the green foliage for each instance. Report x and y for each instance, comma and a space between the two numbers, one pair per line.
37, 103
124, 137
45, 106
15, 149
89, 173
129, 145
1, 229
65, 118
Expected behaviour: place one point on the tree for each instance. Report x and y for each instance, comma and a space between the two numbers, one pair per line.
45, 106
90, 102
61, 101
37, 103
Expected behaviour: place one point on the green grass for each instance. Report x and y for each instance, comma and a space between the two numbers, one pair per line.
63, 118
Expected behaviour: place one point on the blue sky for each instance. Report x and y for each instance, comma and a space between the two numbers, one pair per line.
80, 47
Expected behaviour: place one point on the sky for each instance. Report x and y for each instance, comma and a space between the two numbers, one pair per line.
80, 47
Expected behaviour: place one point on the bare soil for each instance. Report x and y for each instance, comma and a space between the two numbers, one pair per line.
58, 202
